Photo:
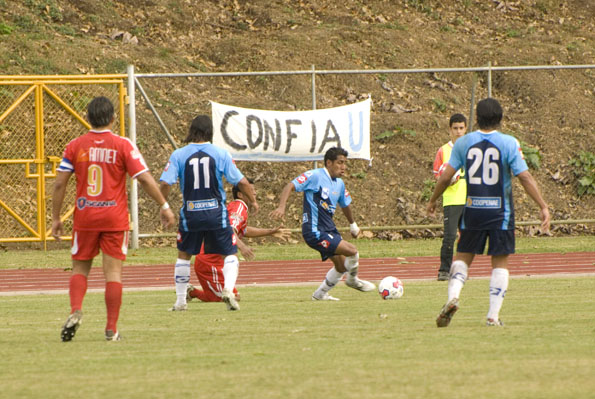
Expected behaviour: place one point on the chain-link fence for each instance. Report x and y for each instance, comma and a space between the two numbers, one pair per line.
38, 117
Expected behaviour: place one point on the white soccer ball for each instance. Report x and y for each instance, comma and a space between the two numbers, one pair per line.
390, 288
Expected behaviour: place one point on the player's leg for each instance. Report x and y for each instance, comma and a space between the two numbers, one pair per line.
452, 214
333, 276
222, 242
209, 272
498, 288
502, 243
470, 243
114, 246
189, 244
112, 270
326, 244
84, 247
351, 266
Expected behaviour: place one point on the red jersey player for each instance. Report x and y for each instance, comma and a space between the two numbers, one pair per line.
100, 161
210, 269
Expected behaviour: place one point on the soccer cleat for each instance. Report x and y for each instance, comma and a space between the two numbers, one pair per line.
443, 276
229, 298
179, 308
448, 310
72, 324
325, 297
112, 336
360, 285
496, 323
189, 289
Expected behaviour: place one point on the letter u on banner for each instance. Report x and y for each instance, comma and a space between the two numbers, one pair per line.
358, 146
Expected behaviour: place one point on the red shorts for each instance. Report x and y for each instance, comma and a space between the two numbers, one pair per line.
209, 271
85, 244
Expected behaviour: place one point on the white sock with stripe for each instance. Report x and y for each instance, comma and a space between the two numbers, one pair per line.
458, 276
332, 278
231, 270
182, 278
498, 287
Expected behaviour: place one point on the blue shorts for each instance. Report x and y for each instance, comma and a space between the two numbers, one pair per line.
474, 241
326, 243
221, 241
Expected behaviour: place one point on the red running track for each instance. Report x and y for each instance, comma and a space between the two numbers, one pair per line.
34, 281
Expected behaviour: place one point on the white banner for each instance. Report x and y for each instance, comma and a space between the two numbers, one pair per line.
259, 135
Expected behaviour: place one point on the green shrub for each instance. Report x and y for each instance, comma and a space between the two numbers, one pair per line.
5, 29
532, 156
584, 170
428, 189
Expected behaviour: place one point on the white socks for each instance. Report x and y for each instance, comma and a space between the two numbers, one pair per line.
498, 287
332, 278
458, 276
352, 266
231, 269
182, 277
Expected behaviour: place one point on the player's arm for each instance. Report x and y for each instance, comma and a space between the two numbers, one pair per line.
280, 211
437, 169
531, 188
441, 185
57, 200
150, 186
278, 232
244, 186
246, 251
353, 228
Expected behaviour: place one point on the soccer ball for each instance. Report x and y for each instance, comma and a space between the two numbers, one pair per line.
390, 288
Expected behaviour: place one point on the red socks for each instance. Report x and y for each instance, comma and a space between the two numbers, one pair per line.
77, 289
113, 302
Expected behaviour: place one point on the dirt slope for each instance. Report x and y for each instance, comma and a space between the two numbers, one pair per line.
551, 112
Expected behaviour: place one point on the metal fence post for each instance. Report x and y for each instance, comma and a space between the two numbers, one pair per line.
132, 136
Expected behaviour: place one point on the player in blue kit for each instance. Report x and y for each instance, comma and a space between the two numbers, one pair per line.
324, 190
199, 167
489, 158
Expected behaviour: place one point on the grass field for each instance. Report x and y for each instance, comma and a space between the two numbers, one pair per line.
282, 345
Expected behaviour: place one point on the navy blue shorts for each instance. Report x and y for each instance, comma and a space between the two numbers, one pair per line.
221, 241
326, 243
474, 241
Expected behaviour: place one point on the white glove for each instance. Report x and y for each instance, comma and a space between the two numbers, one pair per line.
354, 229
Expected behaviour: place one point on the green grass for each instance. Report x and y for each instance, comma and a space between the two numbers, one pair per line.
282, 345
265, 250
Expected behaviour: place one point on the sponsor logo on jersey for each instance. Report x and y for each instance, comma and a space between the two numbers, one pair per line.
324, 243
179, 237
305, 218
202, 205
324, 205
484, 202
235, 219
302, 178
324, 193
166, 166
347, 193
83, 202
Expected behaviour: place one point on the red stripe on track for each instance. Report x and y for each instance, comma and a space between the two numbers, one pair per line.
302, 271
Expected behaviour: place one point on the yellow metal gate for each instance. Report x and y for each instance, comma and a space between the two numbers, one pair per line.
39, 115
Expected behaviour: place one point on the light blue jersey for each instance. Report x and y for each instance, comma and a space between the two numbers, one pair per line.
489, 160
322, 194
199, 168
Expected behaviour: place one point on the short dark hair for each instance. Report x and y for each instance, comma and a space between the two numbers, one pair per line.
489, 113
457, 118
201, 129
235, 189
100, 112
333, 153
